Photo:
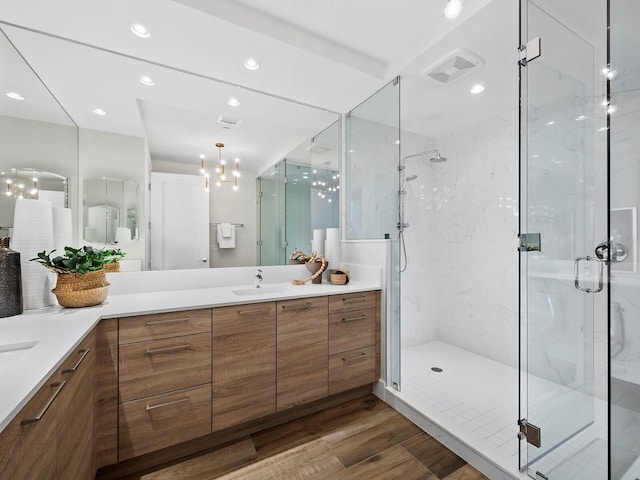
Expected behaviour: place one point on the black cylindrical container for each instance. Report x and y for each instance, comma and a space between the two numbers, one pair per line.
10, 280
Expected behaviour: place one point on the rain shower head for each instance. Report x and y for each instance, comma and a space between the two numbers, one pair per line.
438, 158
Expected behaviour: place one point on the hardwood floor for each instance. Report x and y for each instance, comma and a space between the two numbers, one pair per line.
364, 439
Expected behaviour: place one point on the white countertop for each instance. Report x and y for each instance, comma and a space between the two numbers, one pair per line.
58, 331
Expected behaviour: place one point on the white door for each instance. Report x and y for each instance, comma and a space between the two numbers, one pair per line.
179, 222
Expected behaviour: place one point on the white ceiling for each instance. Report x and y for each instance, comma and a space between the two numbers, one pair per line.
329, 54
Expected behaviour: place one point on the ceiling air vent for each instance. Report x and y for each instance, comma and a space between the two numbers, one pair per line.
453, 67
229, 121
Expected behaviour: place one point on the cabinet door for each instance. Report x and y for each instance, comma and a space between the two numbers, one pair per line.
244, 363
76, 414
28, 443
107, 392
302, 351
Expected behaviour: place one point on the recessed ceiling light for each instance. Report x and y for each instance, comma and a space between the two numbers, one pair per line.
479, 88
551, 122
612, 109
99, 111
579, 118
603, 129
251, 64
233, 102
15, 95
147, 80
452, 9
140, 30
397, 142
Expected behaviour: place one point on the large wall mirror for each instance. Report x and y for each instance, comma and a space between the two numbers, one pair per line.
39, 153
136, 117
298, 195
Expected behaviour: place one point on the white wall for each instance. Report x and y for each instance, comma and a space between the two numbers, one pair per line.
229, 206
104, 154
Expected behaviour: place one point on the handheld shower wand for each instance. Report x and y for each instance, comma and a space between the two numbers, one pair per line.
410, 178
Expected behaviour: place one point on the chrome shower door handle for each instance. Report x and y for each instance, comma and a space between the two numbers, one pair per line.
602, 251
576, 274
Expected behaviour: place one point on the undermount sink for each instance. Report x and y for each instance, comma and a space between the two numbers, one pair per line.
10, 353
258, 291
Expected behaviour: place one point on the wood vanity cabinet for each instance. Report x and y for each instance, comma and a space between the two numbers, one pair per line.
164, 380
52, 437
29, 450
244, 363
353, 327
75, 450
302, 350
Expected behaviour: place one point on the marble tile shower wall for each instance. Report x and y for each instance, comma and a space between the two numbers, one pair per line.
372, 180
461, 285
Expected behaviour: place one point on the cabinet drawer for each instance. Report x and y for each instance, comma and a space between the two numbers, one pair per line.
351, 330
350, 302
157, 422
150, 368
164, 325
352, 369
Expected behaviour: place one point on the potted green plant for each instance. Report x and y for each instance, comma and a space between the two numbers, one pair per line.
81, 275
112, 259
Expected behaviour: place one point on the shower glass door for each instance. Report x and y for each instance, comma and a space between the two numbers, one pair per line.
560, 276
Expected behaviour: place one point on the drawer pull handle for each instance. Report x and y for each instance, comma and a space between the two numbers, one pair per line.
361, 298
151, 323
47, 405
151, 351
84, 353
167, 404
352, 319
254, 312
298, 306
355, 359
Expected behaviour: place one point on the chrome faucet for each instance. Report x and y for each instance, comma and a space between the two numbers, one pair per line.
257, 281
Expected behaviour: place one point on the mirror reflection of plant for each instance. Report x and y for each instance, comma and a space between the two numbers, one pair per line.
78, 260
112, 255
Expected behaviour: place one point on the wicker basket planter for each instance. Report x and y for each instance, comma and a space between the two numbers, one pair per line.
112, 267
74, 291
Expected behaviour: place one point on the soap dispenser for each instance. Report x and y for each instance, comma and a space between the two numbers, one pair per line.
10, 280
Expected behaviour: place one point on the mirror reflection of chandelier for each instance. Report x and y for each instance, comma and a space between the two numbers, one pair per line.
221, 170
21, 184
326, 183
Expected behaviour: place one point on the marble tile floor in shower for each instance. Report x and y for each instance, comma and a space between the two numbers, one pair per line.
476, 400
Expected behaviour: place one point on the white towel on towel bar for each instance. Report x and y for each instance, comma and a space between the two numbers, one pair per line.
226, 235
